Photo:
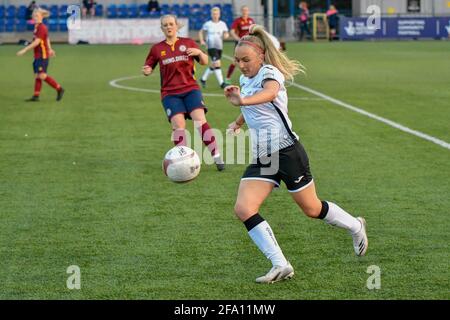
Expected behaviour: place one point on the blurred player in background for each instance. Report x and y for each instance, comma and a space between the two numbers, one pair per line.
333, 21
239, 28
264, 107
42, 53
180, 92
216, 30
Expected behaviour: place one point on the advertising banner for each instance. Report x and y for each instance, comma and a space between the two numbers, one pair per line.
395, 28
121, 31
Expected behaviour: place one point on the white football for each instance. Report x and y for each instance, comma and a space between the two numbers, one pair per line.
181, 164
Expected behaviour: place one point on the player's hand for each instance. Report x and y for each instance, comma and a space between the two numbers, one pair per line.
193, 52
21, 52
233, 94
233, 128
147, 70
52, 53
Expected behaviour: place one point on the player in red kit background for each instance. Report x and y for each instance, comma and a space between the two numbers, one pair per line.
239, 28
180, 93
42, 53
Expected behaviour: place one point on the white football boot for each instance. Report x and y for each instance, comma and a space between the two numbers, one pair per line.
277, 273
360, 242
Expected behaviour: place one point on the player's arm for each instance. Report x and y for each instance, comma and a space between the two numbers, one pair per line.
150, 62
267, 94
234, 35
195, 52
51, 52
31, 46
226, 34
201, 38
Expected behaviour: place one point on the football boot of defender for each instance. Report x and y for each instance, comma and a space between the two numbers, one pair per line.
33, 99
60, 94
220, 165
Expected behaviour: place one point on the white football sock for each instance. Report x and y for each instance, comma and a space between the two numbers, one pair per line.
262, 235
219, 76
206, 74
339, 218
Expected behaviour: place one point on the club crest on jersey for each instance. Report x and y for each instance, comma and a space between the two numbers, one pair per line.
169, 112
182, 48
163, 53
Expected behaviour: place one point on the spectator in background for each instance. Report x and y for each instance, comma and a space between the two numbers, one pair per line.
88, 8
30, 9
304, 19
153, 6
332, 17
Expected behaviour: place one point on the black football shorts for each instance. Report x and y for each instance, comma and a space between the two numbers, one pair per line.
290, 165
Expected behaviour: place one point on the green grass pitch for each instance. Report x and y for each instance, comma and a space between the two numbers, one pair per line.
81, 182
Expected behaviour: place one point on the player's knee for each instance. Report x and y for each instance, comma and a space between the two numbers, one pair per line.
42, 76
242, 211
178, 124
312, 211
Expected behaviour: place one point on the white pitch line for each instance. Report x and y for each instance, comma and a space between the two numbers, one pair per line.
115, 83
391, 123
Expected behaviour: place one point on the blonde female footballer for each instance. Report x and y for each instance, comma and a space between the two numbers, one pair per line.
42, 52
277, 150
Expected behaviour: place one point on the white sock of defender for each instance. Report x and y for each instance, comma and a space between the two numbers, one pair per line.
332, 214
206, 74
219, 75
262, 235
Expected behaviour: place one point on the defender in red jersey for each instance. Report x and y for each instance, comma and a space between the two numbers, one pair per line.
42, 52
239, 28
180, 94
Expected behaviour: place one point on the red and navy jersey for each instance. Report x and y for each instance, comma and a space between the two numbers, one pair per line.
241, 26
176, 68
41, 33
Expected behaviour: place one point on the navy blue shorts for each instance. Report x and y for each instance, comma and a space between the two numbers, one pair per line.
40, 65
183, 103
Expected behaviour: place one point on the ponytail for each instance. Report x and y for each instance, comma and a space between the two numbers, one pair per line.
258, 38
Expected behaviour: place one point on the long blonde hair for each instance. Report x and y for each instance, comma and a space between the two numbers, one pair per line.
259, 37
44, 13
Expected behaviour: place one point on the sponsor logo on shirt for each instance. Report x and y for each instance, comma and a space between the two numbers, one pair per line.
175, 59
